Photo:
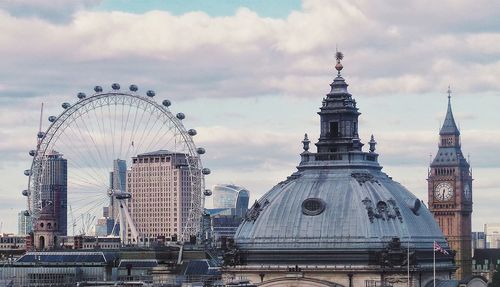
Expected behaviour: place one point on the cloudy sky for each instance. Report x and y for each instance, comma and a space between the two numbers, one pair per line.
250, 76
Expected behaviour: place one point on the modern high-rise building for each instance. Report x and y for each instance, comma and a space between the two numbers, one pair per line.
450, 193
232, 197
24, 223
117, 182
160, 185
492, 234
54, 188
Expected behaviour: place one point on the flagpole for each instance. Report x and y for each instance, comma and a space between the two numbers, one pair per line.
434, 261
408, 260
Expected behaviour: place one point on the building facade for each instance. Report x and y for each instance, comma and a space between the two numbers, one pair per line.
24, 223
492, 234
450, 193
231, 196
478, 240
54, 188
161, 189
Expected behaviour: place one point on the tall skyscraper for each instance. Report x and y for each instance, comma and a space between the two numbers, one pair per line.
160, 185
117, 181
24, 223
450, 193
54, 188
231, 196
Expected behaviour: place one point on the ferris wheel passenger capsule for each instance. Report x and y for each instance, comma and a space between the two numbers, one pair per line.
32, 152
40, 135
26, 213
133, 88
180, 116
200, 150
52, 119
81, 96
192, 132
207, 192
66, 105
166, 103
25, 192
205, 171
98, 89
27, 172
115, 86
151, 93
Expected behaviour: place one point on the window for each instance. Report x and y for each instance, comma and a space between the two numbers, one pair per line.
313, 206
334, 129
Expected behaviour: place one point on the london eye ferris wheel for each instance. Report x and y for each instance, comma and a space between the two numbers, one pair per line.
95, 133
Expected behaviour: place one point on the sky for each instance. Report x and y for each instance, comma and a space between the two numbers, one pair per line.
250, 76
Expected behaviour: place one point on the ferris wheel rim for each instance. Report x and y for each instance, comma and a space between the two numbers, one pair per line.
50, 133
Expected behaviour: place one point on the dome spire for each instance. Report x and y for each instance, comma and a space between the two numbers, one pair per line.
338, 66
449, 126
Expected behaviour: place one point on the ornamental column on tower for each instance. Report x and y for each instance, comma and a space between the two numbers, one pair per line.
450, 193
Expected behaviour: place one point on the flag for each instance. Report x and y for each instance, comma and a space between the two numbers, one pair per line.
438, 247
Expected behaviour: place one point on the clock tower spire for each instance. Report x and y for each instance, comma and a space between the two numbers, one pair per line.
450, 193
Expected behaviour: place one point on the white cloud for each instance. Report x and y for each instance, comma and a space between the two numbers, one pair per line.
392, 48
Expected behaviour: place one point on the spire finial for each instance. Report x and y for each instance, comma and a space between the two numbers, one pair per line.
339, 56
449, 93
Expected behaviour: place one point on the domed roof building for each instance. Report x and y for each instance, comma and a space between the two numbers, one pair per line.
338, 220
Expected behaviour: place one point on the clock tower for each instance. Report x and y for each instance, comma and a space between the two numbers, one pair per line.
450, 193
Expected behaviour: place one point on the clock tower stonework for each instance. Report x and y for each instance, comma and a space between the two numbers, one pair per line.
450, 193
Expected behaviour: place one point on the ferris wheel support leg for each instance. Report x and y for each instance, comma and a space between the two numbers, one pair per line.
130, 223
123, 228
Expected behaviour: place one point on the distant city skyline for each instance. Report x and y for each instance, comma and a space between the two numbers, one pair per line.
255, 96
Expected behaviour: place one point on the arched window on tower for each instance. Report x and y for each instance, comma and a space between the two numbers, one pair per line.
334, 129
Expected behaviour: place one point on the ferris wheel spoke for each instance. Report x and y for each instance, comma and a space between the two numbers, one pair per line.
112, 125
123, 127
89, 147
131, 138
145, 135
140, 143
84, 157
91, 134
102, 127
78, 155
90, 203
156, 142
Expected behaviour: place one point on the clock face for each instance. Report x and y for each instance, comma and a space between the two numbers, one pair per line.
443, 191
467, 192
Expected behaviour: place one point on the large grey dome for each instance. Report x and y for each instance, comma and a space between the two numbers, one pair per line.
348, 193
339, 207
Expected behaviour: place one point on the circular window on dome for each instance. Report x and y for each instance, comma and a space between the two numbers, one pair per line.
313, 206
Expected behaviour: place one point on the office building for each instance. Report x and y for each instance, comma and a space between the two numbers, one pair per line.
54, 189
160, 183
24, 223
230, 196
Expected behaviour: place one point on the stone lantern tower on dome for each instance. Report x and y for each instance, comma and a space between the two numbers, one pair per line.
338, 220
